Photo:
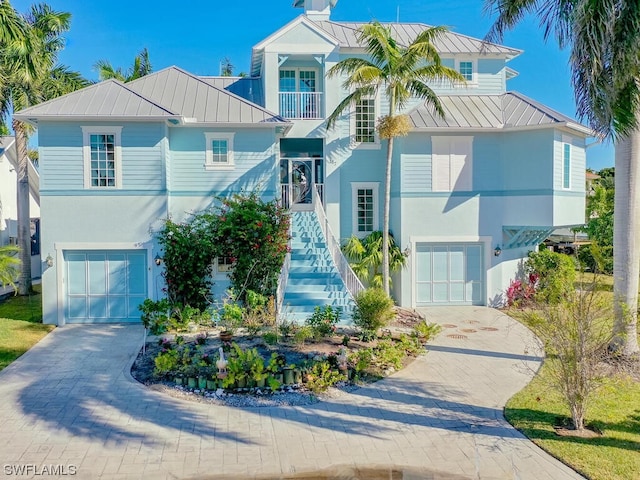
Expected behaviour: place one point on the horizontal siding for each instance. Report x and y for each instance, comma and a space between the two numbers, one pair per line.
254, 163
62, 163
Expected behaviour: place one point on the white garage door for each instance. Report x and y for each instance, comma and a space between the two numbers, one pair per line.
449, 274
105, 286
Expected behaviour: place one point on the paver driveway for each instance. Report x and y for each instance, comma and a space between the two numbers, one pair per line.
70, 403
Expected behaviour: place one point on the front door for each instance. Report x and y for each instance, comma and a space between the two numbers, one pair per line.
299, 177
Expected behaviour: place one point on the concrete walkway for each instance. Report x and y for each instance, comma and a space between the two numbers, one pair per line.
70, 403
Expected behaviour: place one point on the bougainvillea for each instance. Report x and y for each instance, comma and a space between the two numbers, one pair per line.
255, 235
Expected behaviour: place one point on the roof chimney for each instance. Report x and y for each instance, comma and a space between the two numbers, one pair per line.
316, 9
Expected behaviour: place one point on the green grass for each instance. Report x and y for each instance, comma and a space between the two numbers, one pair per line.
614, 411
20, 326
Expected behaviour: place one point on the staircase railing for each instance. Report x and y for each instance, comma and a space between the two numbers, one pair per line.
282, 281
350, 279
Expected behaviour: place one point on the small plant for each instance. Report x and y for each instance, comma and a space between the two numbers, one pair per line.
411, 345
361, 360
231, 316
302, 334
270, 338
426, 331
388, 354
321, 377
323, 321
345, 340
373, 311
155, 315
286, 328
201, 339
165, 363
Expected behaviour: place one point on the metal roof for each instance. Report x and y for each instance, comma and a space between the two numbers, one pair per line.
110, 98
508, 110
404, 33
245, 87
199, 100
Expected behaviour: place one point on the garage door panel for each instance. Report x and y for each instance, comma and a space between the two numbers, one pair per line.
105, 286
117, 274
137, 274
449, 274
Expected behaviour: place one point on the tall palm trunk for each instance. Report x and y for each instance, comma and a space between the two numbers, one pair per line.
626, 241
385, 217
24, 218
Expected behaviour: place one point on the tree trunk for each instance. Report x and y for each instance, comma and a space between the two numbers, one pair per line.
24, 218
385, 222
626, 244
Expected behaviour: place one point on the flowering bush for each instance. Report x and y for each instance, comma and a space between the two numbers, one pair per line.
188, 253
521, 293
255, 234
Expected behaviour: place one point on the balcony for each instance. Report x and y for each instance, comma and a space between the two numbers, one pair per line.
301, 105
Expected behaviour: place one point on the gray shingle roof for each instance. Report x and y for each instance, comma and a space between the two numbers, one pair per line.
110, 98
509, 110
200, 100
404, 33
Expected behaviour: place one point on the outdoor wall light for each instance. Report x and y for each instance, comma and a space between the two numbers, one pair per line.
158, 259
407, 251
497, 251
49, 260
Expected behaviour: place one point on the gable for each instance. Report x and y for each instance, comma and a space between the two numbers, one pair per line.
301, 34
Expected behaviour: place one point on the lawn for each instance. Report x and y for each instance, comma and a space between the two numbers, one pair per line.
614, 411
20, 326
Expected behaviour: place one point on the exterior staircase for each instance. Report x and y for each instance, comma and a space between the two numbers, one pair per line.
313, 279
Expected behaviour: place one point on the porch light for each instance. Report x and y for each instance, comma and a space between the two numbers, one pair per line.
407, 251
158, 259
49, 261
497, 251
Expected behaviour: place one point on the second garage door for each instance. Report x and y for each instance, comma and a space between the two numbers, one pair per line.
451, 274
105, 286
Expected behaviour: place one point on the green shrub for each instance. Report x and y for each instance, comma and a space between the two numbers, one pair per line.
231, 316
374, 310
361, 360
389, 354
596, 258
555, 272
426, 331
165, 363
302, 334
411, 345
323, 321
321, 377
155, 315
270, 338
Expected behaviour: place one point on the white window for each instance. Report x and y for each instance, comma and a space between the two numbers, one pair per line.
102, 155
452, 164
219, 153
467, 68
365, 121
566, 165
223, 265
365, 208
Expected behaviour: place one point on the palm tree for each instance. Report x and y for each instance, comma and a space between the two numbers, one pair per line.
365, 257
604, 38
30, 46
401, 72
141, 67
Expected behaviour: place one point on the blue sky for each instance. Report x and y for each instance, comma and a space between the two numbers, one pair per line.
196, 35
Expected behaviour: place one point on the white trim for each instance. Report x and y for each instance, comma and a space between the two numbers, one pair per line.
87, 131
355, 186
485, 240
290, 26
375, 145
61, 247
209, 163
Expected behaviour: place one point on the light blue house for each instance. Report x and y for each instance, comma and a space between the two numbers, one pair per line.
472, 193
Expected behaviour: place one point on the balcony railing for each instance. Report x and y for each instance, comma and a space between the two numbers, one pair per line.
301, 105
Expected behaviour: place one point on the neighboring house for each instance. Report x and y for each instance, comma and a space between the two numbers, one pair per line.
8, 203
472, 193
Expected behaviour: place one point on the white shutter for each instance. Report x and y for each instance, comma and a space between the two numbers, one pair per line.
461, 161
440, 164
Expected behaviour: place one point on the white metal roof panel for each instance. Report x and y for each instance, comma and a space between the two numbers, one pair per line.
404, 33
200, 100
509, 110
105, 99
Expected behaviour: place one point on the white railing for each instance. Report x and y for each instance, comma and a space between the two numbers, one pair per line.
350, 279
301, 105
282, 282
